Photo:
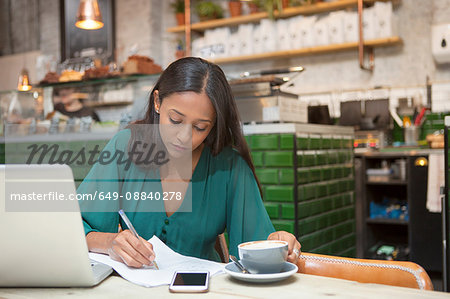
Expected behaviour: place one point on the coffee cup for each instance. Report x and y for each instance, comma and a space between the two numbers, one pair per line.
262, 257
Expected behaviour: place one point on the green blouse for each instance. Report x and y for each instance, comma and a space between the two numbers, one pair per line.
225, 195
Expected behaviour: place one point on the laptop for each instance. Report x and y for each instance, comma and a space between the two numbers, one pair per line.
43, 248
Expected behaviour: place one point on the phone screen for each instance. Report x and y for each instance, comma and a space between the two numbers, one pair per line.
190, 279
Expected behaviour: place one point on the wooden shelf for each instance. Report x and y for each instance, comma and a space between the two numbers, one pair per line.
389, 182
386, 221
106, 104
382, 42
286, 13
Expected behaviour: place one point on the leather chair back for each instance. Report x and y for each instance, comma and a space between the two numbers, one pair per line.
395, 273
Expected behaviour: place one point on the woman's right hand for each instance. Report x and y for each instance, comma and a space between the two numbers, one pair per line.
133, 252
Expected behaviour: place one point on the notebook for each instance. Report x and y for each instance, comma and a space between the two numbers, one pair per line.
43, 248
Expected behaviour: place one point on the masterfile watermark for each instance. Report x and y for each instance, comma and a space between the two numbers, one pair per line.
140, 169
52, 153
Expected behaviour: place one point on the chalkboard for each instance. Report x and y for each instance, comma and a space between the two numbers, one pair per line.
78, 42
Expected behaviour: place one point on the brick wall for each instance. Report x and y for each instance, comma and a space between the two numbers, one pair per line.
311, 193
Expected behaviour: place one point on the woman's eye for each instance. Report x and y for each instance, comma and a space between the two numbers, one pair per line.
176, 122
200, 129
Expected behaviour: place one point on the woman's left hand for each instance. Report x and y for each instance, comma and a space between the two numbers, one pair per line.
293, 245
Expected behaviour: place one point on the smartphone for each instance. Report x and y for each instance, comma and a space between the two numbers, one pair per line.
190, 281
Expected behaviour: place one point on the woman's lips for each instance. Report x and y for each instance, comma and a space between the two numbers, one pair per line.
179, 147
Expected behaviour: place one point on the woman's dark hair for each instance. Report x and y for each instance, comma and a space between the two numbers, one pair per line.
198, 75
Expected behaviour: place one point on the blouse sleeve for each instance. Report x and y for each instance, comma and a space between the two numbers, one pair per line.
98, 207
247, 218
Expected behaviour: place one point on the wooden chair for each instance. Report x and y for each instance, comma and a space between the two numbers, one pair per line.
222, 248
395, 273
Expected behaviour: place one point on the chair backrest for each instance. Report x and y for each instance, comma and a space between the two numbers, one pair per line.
222, 248
395, 273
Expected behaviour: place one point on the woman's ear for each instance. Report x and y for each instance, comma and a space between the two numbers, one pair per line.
156, 101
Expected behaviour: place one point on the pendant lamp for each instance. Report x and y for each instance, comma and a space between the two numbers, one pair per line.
24, 81
89, 16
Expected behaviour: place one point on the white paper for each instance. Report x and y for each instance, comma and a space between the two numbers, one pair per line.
168, 262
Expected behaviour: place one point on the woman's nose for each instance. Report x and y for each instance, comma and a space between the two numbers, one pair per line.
184, 136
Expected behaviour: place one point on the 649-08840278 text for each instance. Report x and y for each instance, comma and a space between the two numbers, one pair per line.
139, 196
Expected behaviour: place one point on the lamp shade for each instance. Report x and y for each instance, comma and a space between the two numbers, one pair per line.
24, 81
89, 16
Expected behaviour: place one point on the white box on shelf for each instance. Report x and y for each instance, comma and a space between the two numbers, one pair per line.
284, 41
245, 38
368, 23
215, 43
336, 27
224, 37
268, 35
234, 45
307, 31
197, 45
295, 36
257, 41
351, 33
384, 20
321, 32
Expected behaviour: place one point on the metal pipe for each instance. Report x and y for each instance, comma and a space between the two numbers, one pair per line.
187, 26
361, 46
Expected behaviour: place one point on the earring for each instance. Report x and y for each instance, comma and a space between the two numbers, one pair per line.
157, 111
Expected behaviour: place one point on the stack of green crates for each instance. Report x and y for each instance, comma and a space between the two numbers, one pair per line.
325, 188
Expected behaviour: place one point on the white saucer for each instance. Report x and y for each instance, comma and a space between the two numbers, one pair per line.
288, 270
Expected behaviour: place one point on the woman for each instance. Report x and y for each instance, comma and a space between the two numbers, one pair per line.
194, 94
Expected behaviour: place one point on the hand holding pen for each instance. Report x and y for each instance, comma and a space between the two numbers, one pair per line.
129, 248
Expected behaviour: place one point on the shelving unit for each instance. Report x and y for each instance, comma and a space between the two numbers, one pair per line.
375, 43
390, 182
320, 7
101, 81
107, 104
386, 221
421, 228
364, 47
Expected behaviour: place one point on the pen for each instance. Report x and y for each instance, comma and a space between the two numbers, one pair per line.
131, 227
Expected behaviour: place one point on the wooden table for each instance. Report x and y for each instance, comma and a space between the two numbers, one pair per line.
222, 286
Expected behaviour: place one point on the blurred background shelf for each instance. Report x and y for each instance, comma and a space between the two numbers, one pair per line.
320, 7
381, 42
386, 221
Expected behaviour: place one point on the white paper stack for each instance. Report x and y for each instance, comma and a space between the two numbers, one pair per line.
168, 262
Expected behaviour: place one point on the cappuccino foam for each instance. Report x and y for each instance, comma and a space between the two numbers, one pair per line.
262, 245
